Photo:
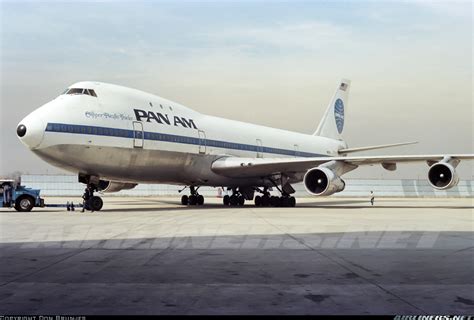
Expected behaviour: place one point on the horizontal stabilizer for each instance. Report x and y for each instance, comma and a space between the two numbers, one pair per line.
350, 150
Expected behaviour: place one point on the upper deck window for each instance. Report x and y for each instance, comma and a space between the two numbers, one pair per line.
89, 92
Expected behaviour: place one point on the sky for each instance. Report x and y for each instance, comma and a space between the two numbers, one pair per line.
275, 63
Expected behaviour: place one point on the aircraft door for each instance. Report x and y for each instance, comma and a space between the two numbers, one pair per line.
137, 134
202, 142
297, 153
259, 149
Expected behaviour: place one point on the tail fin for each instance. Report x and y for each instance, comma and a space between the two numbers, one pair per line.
332, 124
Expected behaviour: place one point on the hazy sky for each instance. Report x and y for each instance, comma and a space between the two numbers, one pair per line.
267, 62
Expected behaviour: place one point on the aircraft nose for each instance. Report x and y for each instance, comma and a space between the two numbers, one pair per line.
30, 130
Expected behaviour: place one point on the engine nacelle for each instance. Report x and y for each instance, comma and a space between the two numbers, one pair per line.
322, 181
442, 176
115, 186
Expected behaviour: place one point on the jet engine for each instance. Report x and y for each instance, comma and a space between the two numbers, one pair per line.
322, 181
115, 186
442, 175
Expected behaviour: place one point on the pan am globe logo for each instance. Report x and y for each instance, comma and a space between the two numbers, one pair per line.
339, 115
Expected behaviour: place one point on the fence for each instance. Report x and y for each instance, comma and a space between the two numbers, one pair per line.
67, 185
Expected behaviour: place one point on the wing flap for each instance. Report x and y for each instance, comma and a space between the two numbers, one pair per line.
382, 146
260, 167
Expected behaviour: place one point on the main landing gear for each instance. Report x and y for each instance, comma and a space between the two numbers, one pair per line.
236, 199
194, 199
267, 200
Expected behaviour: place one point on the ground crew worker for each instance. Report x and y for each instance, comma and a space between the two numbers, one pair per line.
3, 196
7, 195
88, 193
372, 197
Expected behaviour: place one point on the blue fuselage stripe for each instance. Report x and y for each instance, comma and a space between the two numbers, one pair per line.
156, 136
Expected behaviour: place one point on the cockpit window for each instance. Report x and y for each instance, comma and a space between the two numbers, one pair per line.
89, 92
74, 91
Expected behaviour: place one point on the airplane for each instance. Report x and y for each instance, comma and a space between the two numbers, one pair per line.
116, 137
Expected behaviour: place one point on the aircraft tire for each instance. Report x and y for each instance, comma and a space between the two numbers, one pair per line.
184, 200
291, 202
241, 200
192, 200
96, 203
258, 201
226, 200
265, 201
200, 200
233, 200
275, 201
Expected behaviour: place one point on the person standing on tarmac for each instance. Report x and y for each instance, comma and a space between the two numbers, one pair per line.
88, 193
84, 200
7, 194
372, 197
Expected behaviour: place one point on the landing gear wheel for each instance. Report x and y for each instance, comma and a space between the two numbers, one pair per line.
291, 202
258, 201
226, 200
241, 201
275, 201
265, 201
233, 200
184, 200
95, 203
284, 201
200, 200
192, 200
24, 204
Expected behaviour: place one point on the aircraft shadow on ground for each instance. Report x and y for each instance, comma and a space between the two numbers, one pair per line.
175, 270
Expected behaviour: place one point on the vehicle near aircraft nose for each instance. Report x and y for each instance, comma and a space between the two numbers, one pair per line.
115, 137
14, 195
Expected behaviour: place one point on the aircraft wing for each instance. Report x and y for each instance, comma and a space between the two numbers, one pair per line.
260, 167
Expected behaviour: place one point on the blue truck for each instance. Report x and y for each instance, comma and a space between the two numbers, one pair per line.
13, 194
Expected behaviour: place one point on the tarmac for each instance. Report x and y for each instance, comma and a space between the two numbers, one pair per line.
326, 256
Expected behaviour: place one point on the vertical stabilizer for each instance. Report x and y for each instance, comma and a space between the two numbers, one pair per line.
332, 124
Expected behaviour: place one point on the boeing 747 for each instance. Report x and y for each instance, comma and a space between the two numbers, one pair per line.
115, 137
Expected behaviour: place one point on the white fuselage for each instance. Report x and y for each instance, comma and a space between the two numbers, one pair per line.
124, 134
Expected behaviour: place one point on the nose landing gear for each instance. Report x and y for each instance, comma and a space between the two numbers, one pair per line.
91, 202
